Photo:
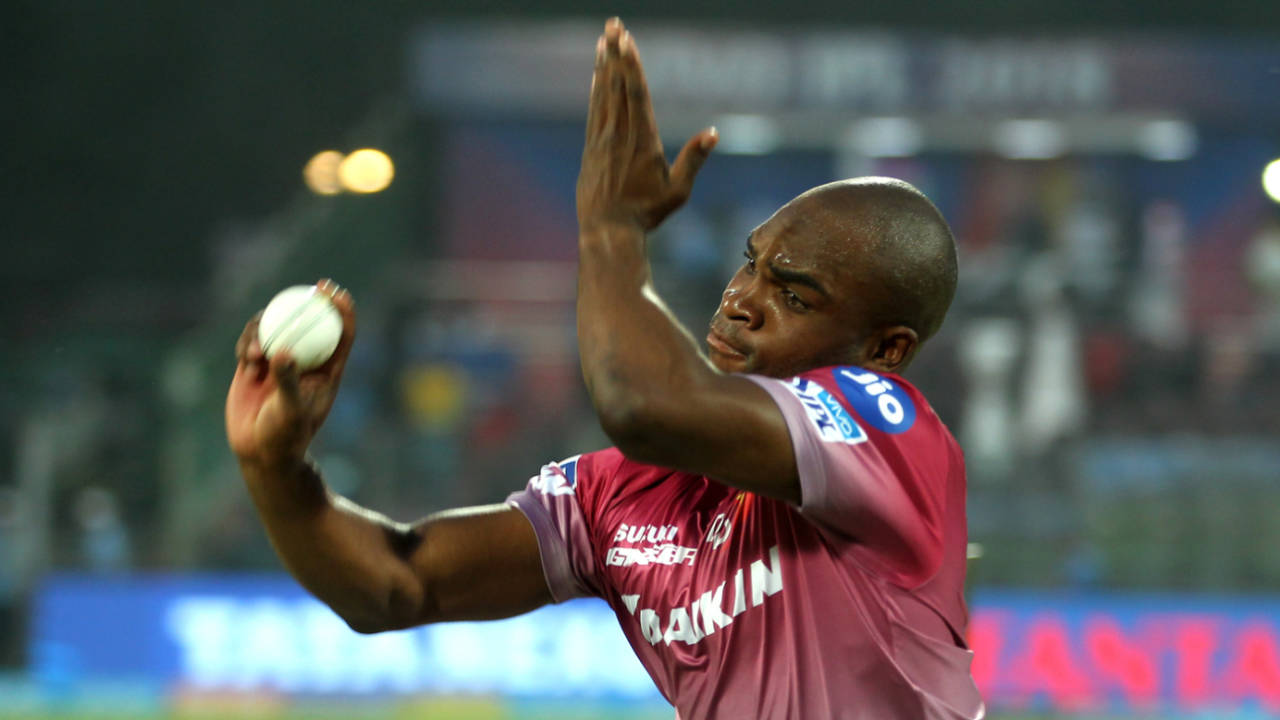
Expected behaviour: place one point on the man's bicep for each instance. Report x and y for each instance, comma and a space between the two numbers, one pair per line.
479, 564
732, 431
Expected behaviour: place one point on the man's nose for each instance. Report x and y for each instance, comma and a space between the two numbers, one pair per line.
739, 303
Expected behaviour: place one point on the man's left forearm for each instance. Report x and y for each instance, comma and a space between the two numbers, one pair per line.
639, 364
637, 360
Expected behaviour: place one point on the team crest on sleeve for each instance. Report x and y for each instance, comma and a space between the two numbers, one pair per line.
833, 423
877, 399
558, 478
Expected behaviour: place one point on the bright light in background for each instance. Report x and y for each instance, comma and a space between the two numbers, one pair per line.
747, 134
1167, 140
366, 171
885, 137
1271, 180
1030, 139
321, 173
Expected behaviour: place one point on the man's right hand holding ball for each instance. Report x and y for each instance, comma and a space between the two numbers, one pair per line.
273, 410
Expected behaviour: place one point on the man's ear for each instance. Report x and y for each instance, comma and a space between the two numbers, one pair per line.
892, 348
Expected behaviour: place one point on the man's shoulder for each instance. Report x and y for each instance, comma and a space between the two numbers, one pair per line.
882, 404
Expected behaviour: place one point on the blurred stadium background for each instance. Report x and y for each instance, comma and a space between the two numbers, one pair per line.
1110, 363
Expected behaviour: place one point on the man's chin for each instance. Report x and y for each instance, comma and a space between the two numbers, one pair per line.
728, 364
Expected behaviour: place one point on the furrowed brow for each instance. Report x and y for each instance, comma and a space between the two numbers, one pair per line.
798, 277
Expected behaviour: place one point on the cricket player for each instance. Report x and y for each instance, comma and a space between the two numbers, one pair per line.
780, 527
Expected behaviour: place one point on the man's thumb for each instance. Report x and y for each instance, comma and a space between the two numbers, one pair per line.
285, 371
690, 160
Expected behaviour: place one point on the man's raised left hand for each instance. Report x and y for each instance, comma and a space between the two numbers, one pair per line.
625, 179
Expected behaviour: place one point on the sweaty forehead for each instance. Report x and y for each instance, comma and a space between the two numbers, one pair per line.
807, 234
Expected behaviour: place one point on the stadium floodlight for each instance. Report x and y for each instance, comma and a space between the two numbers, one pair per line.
366, 171
1271, 180
321, 173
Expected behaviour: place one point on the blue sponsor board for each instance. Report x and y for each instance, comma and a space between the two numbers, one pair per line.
1161, 655
243, 633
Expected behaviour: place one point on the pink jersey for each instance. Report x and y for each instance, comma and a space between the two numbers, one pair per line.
739, 606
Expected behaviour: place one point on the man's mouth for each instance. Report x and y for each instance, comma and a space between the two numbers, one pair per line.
721, 346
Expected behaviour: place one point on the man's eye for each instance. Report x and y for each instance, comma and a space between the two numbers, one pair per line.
751, 262
793, 300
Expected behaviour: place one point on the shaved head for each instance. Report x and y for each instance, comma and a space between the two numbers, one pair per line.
857, 272
885, 236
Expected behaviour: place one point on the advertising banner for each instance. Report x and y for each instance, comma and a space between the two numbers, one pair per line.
1155, 654
543, 69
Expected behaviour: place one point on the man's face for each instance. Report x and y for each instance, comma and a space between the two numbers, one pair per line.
787, 309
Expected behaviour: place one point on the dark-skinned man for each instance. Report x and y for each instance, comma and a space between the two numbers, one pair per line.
780, 528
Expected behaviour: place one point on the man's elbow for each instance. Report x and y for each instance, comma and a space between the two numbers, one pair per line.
397, 610
363, 624
373, 624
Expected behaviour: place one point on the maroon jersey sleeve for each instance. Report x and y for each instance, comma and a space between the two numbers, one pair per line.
871, 458
554, 503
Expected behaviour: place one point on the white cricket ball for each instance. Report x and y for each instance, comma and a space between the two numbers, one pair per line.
304, 321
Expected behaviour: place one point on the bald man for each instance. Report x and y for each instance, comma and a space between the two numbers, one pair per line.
780, 528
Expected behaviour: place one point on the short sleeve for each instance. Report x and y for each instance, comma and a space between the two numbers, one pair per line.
550, 501
856, 479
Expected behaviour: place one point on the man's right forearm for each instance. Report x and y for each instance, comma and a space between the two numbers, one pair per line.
353, 559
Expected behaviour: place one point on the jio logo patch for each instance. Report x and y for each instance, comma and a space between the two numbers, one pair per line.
879, 401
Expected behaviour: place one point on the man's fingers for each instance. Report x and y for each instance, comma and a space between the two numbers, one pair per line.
596, 99
346, 306
607, 106
613, 28
690, 160
640, 121
613, 78
248, 349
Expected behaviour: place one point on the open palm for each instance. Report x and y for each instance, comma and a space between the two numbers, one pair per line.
625, 177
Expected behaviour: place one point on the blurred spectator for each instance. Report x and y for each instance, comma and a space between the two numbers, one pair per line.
1262, 265
104, 540
1157, 306
988, 349
13, 567
1090, 244
11, 558
1084, 565
1053, 401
